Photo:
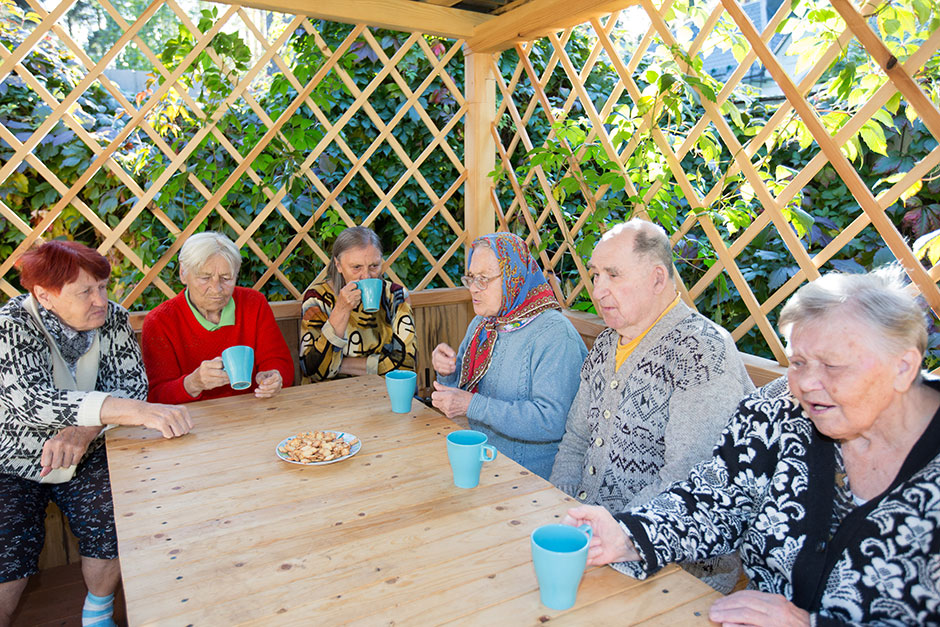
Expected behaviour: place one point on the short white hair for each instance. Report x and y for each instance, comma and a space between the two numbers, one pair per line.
197, 250
649, 240
878, 298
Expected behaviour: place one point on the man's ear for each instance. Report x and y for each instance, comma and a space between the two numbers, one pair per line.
660, 279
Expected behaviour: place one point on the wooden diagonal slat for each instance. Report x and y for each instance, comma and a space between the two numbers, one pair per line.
239, 170
849, 175
911, 91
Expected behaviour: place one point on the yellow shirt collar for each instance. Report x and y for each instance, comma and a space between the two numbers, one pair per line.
624, 350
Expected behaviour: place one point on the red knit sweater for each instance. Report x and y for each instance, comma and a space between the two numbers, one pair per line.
174, 344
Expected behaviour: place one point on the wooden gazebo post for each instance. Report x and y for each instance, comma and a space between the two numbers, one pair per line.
479, 145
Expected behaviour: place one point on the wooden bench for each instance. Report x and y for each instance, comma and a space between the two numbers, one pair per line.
441, 315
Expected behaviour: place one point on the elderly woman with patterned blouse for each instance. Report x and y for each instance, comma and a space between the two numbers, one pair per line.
338, 337
69, 364
516, 371
826, 481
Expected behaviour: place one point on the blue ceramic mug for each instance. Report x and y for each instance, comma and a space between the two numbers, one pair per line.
559, 554
467, 450
239, 361
401, 389
371, 293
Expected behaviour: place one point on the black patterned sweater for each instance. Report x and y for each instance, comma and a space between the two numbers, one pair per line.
772, 491
33, 409
632, 432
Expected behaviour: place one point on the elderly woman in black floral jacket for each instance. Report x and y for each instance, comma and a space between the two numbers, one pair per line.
827, 481
69, 365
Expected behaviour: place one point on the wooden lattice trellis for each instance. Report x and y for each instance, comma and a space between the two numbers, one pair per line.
476, 113
535, 219
112, 239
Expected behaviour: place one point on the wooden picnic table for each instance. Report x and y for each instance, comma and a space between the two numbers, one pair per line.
214, 528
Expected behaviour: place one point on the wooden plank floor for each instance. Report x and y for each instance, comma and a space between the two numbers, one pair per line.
55, 597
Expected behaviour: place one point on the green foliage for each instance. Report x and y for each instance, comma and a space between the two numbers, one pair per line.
584, 184
582, 177
22, 110
279, 167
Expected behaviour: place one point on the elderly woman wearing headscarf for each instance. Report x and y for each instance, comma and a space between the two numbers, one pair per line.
184, 337
826, 481
69, 363
516, 371
338, 336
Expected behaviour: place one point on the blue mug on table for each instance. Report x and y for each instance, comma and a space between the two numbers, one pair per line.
467, 450
401, 385
559, 554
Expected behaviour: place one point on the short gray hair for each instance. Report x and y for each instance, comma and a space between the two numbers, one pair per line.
878, 298
649, 240
197, 250
353, 237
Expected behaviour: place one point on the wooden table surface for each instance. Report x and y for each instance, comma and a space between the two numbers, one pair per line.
214, 529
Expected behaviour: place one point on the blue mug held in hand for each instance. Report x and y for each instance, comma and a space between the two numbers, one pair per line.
559, 554
371, 293
239, 361
467, 450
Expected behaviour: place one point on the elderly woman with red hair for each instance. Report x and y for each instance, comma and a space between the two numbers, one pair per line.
69, 365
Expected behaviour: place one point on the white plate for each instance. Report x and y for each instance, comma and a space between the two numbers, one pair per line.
347, 437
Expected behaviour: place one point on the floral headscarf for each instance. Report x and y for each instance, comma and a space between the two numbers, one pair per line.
526, 294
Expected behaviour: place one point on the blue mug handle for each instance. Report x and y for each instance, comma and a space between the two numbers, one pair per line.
487, 453
586, 528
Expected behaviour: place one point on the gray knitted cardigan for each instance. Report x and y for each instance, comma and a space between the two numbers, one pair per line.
631, 433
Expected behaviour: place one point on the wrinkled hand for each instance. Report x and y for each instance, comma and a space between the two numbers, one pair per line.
269, 382
444, 360
67, 448
609, 544
209, 375
170, 420
451, 401
750, 607
349, 297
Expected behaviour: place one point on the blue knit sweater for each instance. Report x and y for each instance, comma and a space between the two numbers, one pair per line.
523, 399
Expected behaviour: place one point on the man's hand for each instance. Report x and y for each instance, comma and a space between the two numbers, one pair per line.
451, 401
67, 448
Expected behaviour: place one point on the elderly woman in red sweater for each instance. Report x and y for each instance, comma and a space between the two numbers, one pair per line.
183, 338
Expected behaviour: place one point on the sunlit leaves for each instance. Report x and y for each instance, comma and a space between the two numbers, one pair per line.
874, 137
928, 245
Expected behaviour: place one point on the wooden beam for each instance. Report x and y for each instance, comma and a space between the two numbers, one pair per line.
400, 15
479, 145
536, 19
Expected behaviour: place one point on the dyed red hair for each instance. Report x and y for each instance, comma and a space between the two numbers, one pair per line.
58, 262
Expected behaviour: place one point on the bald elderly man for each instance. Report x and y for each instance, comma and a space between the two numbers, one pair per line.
656, 389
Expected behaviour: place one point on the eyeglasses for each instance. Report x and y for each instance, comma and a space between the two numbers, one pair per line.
480, 282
